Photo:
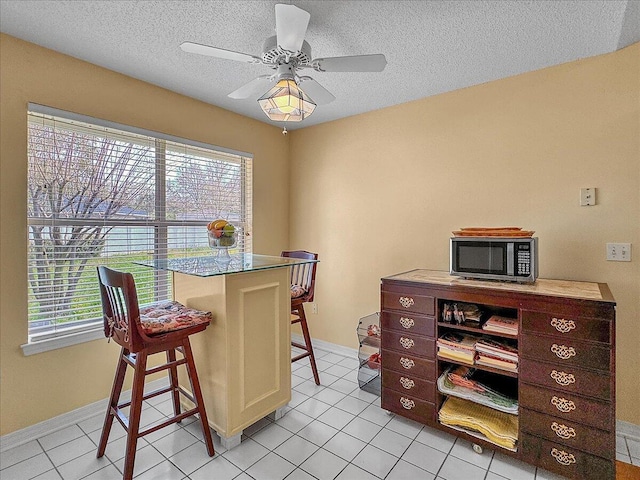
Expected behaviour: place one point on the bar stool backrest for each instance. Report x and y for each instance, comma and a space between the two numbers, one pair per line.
120, 309
303, 275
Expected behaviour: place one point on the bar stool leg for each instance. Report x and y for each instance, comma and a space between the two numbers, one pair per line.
135, 412
197, 395
173, 379
307, 341
116, 389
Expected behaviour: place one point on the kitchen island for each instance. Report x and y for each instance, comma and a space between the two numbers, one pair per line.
244, 356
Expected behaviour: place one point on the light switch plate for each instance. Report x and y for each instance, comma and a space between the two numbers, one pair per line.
619, 252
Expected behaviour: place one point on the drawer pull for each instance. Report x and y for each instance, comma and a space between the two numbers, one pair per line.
406, 302
563, 378
562, 457
407, 322
407, 342
407, 404
562, 351
563, 431
562, 404
407, 383
562, 325
407, 363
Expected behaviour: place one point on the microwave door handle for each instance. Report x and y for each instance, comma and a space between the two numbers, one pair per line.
510, 259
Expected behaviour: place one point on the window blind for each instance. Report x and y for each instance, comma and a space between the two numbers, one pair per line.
106, 194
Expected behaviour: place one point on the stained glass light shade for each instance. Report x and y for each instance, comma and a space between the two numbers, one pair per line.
285, 102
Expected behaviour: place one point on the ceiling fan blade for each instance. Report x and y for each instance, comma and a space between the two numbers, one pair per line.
356, 63
255, 87
316, 92
191, 47
291, 26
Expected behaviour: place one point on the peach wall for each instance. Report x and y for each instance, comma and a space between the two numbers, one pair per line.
380, 193
39, 387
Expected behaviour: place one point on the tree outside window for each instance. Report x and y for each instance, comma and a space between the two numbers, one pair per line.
101, 195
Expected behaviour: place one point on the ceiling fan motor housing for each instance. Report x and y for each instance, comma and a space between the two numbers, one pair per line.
273, 54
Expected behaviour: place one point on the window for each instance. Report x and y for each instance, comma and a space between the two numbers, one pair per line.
107, 194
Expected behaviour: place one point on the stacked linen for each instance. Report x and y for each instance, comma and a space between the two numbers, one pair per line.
458, 347
481, 387
483, 422
492, 353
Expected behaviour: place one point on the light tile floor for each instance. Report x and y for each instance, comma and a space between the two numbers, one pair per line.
333, 431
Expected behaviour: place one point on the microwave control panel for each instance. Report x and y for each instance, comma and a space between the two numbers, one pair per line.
523, 259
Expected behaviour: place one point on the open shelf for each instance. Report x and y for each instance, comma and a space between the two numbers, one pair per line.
486, 312
488, 416
472, 327
497, 371
486, 388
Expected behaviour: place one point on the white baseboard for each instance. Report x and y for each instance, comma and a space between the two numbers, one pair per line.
33, 432
25, 435
327, 346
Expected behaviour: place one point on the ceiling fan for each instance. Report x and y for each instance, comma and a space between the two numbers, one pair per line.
289, 96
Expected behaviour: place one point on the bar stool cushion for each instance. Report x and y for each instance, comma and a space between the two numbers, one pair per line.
297, 291
168, 316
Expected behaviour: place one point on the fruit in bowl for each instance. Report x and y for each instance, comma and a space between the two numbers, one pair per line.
221, 234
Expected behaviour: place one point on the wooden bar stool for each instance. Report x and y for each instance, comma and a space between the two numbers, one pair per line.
141, 332
303, 281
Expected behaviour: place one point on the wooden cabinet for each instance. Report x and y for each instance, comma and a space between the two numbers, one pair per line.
565, 379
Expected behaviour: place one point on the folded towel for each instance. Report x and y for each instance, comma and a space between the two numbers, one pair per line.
498, 427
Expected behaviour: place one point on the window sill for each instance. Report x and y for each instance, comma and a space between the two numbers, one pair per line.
41, 346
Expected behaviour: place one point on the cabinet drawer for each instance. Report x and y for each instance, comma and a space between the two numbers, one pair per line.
564, 327
563, 378
409, 343
571, 434
408, 406
565, 351
407, 299
566, 461
409, 385
409, 323
568, 407
410, 364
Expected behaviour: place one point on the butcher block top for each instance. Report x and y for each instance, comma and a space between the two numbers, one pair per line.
542, 286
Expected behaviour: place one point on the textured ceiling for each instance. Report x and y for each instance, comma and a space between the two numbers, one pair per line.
431, 46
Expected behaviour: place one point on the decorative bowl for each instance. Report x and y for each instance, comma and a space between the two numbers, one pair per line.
223, 241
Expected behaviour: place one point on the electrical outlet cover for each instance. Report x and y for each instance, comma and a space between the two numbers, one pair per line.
587, 196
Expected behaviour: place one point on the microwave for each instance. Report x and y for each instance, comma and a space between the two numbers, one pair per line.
511, 259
